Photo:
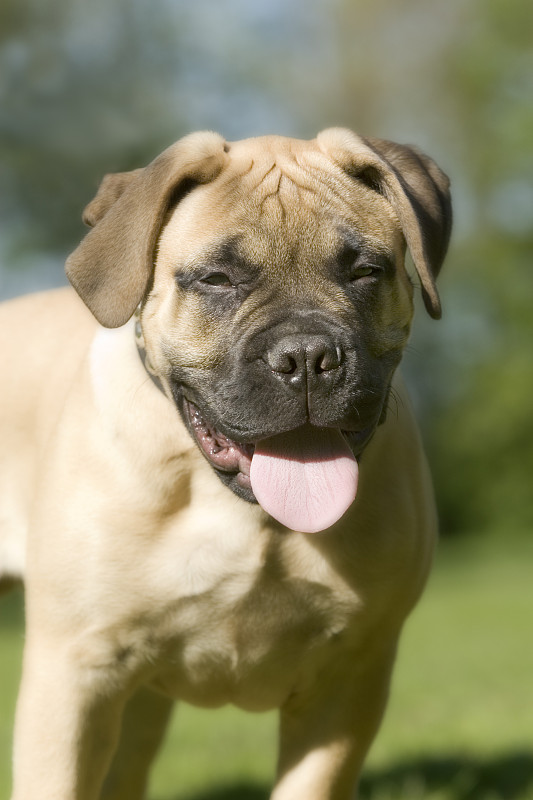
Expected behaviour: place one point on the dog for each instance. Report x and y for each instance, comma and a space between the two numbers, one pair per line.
212, 482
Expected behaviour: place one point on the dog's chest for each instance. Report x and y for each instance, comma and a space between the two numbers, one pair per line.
247, 626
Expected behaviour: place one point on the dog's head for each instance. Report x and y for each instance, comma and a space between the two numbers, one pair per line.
275, 304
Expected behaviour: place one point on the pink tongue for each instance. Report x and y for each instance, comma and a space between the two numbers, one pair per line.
306, 478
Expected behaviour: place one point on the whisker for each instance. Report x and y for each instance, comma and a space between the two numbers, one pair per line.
398, 401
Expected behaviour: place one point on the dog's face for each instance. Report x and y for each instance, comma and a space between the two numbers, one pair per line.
279, 297
277, 300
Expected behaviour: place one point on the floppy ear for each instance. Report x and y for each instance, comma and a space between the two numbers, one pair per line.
110, 189
112, 266
415, 187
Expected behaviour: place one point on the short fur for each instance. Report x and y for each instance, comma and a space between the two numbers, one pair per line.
147, 578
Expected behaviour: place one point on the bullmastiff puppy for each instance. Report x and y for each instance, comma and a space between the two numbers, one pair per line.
211, 476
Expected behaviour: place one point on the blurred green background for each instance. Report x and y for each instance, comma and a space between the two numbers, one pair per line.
87, 88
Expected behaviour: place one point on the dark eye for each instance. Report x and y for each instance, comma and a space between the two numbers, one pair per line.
364, 271
217, 279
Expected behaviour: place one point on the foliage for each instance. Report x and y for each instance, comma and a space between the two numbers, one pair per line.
482, 437
483, 434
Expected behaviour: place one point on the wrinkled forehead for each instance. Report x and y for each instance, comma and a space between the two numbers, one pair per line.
282, 199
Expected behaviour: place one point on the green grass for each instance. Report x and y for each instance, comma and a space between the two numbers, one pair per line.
11, 643
460, 721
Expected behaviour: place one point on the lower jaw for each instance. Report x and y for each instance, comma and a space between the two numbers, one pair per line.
238, 483
216, 447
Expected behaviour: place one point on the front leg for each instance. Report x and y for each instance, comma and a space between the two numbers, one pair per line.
67, 726
144, 723
326, 730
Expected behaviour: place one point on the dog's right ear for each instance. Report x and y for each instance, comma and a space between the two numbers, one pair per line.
112, 267
110, 189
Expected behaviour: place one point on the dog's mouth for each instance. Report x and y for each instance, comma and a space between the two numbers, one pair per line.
305, 478
223, 453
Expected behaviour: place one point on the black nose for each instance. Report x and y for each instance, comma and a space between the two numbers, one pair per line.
304, 358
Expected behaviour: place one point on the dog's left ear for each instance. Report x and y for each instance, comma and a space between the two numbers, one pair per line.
112, 267
415, 187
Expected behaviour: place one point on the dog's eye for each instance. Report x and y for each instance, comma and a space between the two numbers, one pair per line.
364, 271
217, 279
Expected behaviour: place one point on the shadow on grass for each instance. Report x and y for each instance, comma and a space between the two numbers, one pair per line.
238, 792
504, 777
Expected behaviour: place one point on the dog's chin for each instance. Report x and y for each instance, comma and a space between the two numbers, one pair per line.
232, 460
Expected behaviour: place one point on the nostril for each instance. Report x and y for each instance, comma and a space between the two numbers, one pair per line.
327, 360
320, 365
282, 360
287, 365
292, 366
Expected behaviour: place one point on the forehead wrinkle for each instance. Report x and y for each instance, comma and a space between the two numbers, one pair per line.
285, 182
274, 178
297, 203
303, 175
279, 169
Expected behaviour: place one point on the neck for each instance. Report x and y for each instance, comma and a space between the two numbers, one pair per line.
143, 355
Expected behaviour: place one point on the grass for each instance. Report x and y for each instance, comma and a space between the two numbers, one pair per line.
460, 721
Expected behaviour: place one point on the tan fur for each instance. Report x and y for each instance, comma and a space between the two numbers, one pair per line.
148, 580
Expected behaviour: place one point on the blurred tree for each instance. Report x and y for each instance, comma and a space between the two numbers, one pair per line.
484, 436
76, 92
